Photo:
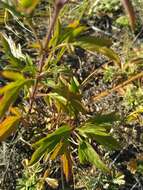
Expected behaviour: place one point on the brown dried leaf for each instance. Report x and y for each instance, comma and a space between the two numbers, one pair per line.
132, 166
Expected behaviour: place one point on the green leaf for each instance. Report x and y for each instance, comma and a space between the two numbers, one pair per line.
106, 119
74, 85
57, 98
69, 34
77, 106
99, 45
61, 132
54, 40
66, 97
98, 128
48, 144
100, 123
57, 150
92, 41
86, 153
92, 129
77, 31
108, 141
45, 147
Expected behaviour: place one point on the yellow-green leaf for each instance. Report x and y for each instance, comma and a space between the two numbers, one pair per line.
56, 150
8, 126
12, 75
28, 5
10, 93
135, 115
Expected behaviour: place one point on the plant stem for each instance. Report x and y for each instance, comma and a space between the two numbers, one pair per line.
45, 49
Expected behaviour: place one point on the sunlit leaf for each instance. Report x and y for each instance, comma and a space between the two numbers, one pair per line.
8, 126
66, 97
15, 111
119, 179
60, 101
52, 182
38, 154
10, 93
12, 75
28, 5
67, 165
98, 128
92, 129
13, 52
57, 150
74, 86
74, 24
135, 115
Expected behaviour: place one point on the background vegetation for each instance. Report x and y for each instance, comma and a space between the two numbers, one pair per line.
71, 95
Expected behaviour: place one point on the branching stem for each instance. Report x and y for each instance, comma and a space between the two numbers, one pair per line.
59, 4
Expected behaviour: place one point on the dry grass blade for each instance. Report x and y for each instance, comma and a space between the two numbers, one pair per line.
107, 92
